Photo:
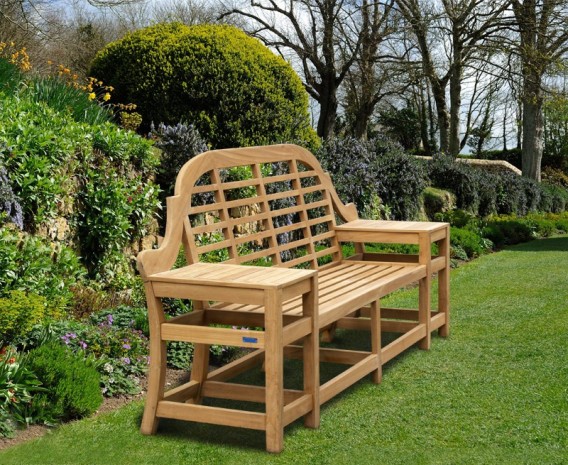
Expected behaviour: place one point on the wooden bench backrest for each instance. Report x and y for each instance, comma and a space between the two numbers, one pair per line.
261, 205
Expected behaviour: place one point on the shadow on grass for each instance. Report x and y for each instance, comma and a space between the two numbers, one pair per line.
542, 245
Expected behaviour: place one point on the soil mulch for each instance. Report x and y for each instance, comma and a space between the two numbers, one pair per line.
173, 378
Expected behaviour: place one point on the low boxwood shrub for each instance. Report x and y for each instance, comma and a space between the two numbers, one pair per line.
507, 231
542, 226
470, 242
71, 380
560, 221
458, 218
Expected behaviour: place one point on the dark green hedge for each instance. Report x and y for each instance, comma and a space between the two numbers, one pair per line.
361, 170
379, 167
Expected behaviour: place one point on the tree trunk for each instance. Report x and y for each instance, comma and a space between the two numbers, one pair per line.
328, 111
423, 112
455, 104
505, 130
361, 123
439, 94
455, 101
532, 137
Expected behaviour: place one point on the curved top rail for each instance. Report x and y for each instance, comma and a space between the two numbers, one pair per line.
179, 205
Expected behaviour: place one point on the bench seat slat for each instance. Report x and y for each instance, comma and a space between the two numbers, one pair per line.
338, 286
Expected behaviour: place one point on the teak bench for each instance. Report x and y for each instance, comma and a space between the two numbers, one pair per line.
276, 206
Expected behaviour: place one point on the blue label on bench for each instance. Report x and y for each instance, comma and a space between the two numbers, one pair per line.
252, 340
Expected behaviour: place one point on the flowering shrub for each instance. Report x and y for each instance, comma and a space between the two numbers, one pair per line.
368, 173
121, 351
350, 166
54, 165
113, 340
87, 101
17, 385
115, 211
178, 144
15, 56
484, 193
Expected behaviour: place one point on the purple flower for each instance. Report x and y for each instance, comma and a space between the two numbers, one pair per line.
126, 346
110, 319
83, 345
66, 339
126, 360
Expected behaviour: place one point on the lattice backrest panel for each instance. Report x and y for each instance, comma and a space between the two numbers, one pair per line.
260, 213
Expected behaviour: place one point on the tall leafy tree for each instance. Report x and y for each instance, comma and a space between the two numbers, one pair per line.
449, 35
317, 35
543, 41
372, 76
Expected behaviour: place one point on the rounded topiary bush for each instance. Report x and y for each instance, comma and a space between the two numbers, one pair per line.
230, 86
72, 383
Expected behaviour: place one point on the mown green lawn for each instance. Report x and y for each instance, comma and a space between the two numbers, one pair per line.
495, 392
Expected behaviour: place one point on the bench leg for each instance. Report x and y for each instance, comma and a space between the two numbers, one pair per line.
424, 314
200, 363
157, 369
424, 290
328, 333
311, 356
199, 369
377, 375
444, 286
274, 371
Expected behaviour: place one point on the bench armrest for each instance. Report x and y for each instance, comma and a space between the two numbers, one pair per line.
231, 283
393, 232
421, 233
